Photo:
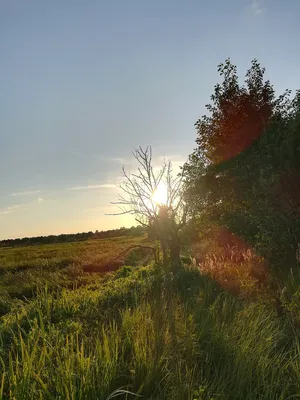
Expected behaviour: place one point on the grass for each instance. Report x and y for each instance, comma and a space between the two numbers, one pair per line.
234, 265
24, 269
62, 254
140, 332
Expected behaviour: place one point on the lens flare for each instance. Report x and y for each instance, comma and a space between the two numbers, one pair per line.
160, 195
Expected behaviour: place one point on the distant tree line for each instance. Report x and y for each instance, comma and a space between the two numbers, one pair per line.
73, 237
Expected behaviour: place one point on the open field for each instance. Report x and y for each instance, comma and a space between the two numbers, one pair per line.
158, 335
62, 254
23, 269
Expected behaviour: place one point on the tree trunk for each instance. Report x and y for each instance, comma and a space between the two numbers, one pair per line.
164, 252
175, 252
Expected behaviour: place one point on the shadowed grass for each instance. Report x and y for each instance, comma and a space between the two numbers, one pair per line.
154, 335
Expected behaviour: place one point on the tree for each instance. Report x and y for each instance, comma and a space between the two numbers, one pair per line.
244, 173
238, 114
155, 198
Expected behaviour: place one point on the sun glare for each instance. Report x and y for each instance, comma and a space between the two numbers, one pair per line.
160, 195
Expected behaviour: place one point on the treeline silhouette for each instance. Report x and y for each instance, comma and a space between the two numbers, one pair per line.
73, 237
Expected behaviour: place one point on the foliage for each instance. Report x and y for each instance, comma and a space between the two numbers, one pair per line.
244, 174
231, 263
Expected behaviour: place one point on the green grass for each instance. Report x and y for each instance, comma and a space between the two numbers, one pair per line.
24, 269
139, 332
62, 254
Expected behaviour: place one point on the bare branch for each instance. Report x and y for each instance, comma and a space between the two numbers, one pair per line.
138, 190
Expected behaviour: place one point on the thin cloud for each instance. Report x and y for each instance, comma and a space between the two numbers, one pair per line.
119, 160
26, 193
95, 209
256, 7
170, 157
100, 209
3, 212
40, 199
10, 209
92, 187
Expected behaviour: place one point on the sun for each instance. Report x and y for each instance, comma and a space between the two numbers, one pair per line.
160, 195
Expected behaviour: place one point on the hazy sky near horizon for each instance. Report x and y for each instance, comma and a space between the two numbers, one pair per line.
85, 82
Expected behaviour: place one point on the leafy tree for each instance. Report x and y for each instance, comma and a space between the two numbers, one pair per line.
244, 173
238, 113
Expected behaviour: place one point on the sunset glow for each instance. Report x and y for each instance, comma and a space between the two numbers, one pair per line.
160, 195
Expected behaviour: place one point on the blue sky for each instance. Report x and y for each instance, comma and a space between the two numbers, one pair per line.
84, 82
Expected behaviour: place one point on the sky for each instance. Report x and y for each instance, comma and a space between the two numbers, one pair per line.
84, 82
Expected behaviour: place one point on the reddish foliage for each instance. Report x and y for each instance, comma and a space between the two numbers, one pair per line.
231, 262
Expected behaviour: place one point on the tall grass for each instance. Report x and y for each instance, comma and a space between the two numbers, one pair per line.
233, 265
142, 333
51, 256
25, 269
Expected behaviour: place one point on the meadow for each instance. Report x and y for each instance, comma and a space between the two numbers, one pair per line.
139, 332
24, 269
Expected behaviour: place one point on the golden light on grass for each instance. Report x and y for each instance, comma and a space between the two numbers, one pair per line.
160, 195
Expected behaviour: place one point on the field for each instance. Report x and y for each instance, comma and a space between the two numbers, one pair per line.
136, 331
23, 269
